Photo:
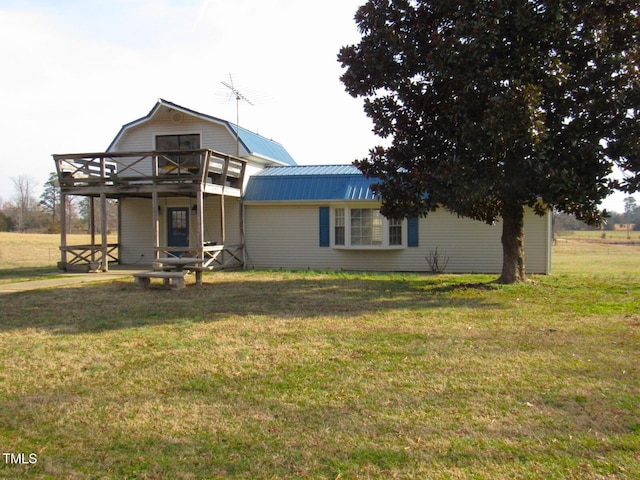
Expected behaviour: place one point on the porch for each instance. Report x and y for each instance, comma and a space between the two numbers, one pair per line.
195, 176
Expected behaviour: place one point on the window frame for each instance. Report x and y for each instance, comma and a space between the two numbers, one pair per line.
347, 230
181, 161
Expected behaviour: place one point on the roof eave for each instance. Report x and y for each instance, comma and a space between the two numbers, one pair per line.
165, 103
268, 160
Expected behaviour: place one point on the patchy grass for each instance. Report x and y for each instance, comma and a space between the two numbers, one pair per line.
327, 375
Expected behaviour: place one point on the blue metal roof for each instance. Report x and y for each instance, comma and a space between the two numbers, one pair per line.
251, 141
309, 183
263, 146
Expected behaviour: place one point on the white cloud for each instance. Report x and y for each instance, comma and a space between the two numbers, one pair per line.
77, 72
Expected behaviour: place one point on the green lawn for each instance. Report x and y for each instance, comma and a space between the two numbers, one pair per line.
329, 375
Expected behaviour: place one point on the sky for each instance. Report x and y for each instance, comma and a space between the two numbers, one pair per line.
75, 71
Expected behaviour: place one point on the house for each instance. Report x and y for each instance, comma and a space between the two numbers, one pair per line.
192, 184
327, 217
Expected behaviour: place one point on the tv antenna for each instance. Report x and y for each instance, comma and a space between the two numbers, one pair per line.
239, 96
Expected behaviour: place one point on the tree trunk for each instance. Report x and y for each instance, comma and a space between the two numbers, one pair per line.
513, 270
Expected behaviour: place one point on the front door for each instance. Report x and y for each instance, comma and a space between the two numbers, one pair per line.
178, 227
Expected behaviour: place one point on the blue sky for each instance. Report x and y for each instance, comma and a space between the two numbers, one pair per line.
75, 71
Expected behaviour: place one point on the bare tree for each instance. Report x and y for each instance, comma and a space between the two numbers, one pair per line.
23, 199
630, 207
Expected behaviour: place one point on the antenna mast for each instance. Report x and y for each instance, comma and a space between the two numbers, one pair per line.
239, 96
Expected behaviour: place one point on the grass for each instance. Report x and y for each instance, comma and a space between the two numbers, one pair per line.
19, 250
330, 375
25, 257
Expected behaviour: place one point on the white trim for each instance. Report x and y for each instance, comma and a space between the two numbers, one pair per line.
264, 159
347, 228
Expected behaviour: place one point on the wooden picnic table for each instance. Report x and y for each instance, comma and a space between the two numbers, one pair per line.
179, 262
184, 263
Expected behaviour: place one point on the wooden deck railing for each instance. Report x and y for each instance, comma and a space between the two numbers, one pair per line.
89, 255
112, 169
214, 256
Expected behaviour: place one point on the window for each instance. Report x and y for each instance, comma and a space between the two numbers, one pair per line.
179, 219
339, 227
395, 232
179, 142
364, 228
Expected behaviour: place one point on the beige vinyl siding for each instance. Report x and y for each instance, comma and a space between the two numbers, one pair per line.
287, 236
142, 138
473, 246
284, 236
538, 240
212, 223
136, 237
136, 231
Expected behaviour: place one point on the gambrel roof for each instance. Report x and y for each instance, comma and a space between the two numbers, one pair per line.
309, 183
252, 142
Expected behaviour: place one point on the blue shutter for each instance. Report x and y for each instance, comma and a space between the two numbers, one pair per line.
325, 226
412, 232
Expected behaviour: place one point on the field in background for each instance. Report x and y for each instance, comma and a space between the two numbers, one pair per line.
21, 250
34, 250
587, 253
30, 256
607, 236
330, 375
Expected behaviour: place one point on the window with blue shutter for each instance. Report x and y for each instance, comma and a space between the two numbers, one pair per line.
412, 232
325, 226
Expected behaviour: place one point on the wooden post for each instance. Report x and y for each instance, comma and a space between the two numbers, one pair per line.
156, 224
205, 161
200, 219
104, 225
222, 222
92, 226
243, 170
225, 170
63, 231
222, 225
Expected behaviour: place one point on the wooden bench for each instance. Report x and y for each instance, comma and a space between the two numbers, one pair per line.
173, 279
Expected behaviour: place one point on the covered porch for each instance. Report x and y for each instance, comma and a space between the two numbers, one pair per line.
170, 204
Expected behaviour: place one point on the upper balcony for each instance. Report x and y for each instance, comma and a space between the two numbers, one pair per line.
141, 173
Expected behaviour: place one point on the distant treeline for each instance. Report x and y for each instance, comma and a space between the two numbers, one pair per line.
617, 221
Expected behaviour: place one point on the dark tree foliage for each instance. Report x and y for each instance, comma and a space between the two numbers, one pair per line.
6, 224
50, 198
499, 104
